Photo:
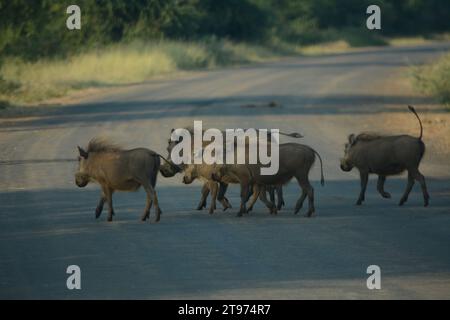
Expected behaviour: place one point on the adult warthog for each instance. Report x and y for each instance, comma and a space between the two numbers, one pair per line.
295, 160
117, 169
386, 156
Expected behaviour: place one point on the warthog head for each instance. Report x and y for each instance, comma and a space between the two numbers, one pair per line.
82, 178
170, 169
346, 162
190, 174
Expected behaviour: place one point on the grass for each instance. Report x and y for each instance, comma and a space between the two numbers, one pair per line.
24, 82
434, 79
416, 40
30, 83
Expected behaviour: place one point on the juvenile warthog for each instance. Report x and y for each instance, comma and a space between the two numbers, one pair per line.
295, 160
204, 172
117, 169
385, 156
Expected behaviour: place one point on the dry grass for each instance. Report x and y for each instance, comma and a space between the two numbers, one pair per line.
25, 83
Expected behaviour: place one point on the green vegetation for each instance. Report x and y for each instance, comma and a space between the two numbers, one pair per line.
126, 41
36, 29
434, 79
24, 82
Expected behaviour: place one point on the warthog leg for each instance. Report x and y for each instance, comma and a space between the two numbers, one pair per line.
244, 196
409, 186
269, 204
364, 179
426, 197
280, 200
152, 194
108, 195
205, 193
307, 190
299, 204
99, 209
311, 209
271, 191
256, 192
214, 189
380, 186
415, 174
148, 206
221, 196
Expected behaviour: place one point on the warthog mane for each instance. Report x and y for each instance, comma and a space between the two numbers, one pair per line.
368, 136
102, 145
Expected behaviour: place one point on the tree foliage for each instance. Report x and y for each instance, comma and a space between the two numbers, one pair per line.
36, 28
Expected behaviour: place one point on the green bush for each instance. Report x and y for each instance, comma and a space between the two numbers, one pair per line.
434, 79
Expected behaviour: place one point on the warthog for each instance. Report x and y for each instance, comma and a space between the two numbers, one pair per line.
197, 171
386, 156
295, 160
117, 169
204, 172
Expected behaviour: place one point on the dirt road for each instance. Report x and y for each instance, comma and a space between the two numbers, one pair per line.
47, 223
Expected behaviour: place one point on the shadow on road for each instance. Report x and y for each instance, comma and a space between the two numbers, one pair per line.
91, 114
191, 252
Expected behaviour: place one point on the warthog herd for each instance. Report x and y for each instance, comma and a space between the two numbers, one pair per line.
116, 169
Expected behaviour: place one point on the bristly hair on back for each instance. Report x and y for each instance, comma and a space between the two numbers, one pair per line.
368, 136
102, 145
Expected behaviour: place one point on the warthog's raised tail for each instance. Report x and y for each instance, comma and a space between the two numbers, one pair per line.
173, 165
322, 180
292, 135
411, 108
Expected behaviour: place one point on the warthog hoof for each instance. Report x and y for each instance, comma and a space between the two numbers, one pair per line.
98, 212
211, 210
158, 214
109, 219
145, 216
310, 213
359, 202
426, 203
402, 201
201, 206
386, 195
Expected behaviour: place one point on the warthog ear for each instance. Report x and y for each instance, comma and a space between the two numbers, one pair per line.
351, 139
83, 153
171, 131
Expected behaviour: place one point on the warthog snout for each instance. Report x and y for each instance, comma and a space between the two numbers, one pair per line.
167, 170
187, 180
345, 166
81, 180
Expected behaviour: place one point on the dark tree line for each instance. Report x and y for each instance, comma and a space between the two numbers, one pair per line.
36, 28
